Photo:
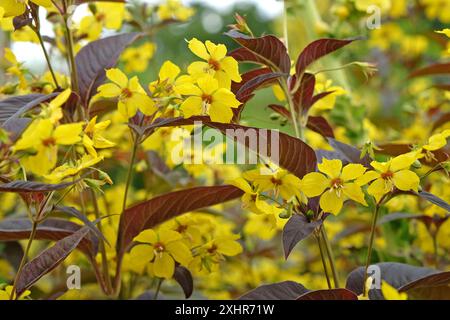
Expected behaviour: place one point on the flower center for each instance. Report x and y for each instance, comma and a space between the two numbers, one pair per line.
336, 183
100, 17
276, 181
126, 93
208, 99
49, 142
214, 64
182, 228
159, 247
212, 249
388, 175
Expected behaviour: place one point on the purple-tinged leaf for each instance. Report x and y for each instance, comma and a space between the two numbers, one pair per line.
295, 230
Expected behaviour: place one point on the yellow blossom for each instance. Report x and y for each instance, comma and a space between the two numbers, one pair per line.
174, 9
136, 58
93, 138
390, 174
206, 98
162, 250
217, 64
334, 185
17, 7
130, 93
390, 293
5, 294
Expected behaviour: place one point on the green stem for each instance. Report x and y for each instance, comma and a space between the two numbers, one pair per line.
284, 86
436, 253
158, 288
24, 260
105, 266
330, 256
47, 58
325, 270
369, 252
129, 174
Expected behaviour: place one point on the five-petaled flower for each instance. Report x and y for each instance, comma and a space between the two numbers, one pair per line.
130, 93
335, 185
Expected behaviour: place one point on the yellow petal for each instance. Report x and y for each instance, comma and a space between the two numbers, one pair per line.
330, 202
314, 183
241, 184
60, 99
367, 177
191, 106
229, 247
148, 236
231, 67
332, 168
406, 180
354, 192
13, 8
219, 112
109, 90
180, 252
403, 161
216, 51
208, 84
168, 70
68, 134
352, 171
379, 188
164, 265
198, 48
118, 77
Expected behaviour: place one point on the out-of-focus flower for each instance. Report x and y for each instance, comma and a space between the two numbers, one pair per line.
437, 9
390, 293
136, 58
107, 15
15, 68
174, 9
5, 294
13, 8
130, 93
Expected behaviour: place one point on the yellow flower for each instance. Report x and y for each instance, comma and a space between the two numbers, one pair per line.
15, 68
168, 81
338, 182
107, 15
217, 64
174, 9
130, 93
390, 174
252, 200
390, 293
363, 5
207, 98
93, 139
163, 249
328, 102
71, 169
437, 141
279, 180
42, 139
13, 8
437, 9
136, 58
5, 294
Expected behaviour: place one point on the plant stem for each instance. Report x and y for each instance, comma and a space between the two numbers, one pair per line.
325, 270
105, 266
285, 25
24, 259
158, 288
436, 253
284, 86
47, 58
130, 173
369, 250
330, 256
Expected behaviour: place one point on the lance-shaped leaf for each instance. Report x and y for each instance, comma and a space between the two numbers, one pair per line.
434, 69
317, 49
417, 282
295, 230
246, 77
151, 213
11, 110
294, 155
280, 110
51, 229
267, 50
257, 82
348, 153
331, 294
184, 278
304, 94
48, 260
32, 186
286, 290
434, 200
95, 57
320, 125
